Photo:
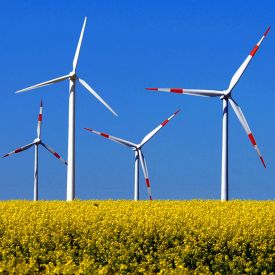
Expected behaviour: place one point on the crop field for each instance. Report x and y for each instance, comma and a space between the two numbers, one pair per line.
166, 237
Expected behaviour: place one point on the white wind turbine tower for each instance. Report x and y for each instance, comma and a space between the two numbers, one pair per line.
36, 143
72, 77
226, 96
139, 157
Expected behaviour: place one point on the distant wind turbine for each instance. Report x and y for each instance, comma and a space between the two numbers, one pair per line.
72, 77
36, 143
226, 96
139, 157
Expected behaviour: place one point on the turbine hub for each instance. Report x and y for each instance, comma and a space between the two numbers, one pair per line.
226, 95
37, 140
72, 76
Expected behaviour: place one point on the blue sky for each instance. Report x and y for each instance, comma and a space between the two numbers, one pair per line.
127, 46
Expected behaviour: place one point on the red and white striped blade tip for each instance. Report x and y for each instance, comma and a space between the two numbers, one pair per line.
254, 143
177, 111
13, 152
255, 49
167, 120
263, 162
267, 30
99, 133
59, 157
40, 111
149, 187
171, 90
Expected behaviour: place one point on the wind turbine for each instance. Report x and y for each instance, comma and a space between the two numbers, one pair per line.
36, 143
225, 96
139, 157
72, 77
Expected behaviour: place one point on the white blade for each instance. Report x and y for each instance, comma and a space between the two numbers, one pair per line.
39, 120
20, 149
152, 133
195, 92
85, 85
118, 140
245, 125
242, 68
145, 172
53, 152
79, 46
52, 81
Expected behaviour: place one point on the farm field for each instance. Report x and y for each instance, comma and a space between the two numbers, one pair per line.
166, 237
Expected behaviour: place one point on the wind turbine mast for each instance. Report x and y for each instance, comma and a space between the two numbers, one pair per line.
224, 172
71, 144
71, 129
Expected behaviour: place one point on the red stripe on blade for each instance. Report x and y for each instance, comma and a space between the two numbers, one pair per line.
253, 52
40, 117
252, 139
176, 90
18, 150
262, 160
151, 89
6, 155
164, 122
266, 32
147, 182
56, 155
104, 135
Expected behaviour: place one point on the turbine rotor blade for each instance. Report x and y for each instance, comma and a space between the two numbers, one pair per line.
20, 149
145, 172
152, 133
241, 117
52, 81
39, 120
76, 56
244, 65
85, 85
195, 92
54, 152
115, 139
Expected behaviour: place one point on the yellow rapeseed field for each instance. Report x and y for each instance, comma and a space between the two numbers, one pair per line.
166, 237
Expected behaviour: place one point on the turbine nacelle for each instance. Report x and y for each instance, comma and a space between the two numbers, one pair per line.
73, 76
138, 147
226, 95
37, 141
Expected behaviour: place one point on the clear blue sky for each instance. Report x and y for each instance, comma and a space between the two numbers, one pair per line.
127, 46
